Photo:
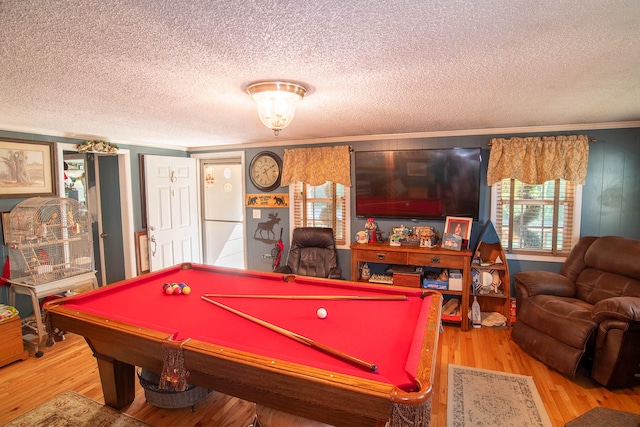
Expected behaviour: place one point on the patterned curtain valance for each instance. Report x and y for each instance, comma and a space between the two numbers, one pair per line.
536, 160
315, 166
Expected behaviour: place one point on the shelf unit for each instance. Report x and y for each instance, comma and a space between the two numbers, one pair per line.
383, 253
490, 262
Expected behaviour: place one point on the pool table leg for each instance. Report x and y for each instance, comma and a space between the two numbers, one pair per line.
118, 381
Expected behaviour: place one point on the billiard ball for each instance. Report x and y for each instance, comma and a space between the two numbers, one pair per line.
168, 290
186, 290
322, 313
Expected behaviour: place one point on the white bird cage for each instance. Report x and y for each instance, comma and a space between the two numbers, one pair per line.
49, 238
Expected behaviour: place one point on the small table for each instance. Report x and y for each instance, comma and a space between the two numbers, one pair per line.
133, 323
43, 290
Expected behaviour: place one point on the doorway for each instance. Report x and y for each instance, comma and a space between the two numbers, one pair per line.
116, 169
75, 176
223, 212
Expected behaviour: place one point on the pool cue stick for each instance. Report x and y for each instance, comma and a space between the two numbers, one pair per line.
297, 337
315, 297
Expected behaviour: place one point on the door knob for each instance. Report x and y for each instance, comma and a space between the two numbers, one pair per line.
103, 235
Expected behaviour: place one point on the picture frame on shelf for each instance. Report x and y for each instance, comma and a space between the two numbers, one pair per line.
452, 241
28, 169
458, 225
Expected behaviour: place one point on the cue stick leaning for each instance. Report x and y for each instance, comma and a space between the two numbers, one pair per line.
297, 337
315, 297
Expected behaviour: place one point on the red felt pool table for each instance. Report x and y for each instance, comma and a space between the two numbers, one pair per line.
133, 323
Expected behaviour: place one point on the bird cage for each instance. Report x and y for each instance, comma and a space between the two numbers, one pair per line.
49, 238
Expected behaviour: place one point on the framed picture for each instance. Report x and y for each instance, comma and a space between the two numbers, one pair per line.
27, 169
142, 252
459, 226
452, 241
5, 223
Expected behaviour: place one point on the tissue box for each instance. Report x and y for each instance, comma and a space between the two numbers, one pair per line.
434, 284
455, 280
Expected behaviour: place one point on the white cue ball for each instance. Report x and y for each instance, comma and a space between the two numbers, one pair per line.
322, 313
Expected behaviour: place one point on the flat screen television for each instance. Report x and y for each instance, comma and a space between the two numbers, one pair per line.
418, 184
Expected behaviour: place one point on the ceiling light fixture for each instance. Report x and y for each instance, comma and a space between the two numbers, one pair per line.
276, 102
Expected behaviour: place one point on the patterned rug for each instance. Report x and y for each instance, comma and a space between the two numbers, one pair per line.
598, 417
71, 409
478, 397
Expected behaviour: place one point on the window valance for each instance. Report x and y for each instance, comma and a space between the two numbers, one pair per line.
535, 160
315, 166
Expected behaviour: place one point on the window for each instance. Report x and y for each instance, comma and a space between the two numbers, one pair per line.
325, 205
537, 220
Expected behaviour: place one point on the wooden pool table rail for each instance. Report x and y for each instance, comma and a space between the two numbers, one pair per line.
306, 391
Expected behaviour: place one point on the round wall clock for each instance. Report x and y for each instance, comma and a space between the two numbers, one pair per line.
265, 170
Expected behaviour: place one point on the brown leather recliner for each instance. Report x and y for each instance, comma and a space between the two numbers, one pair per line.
590, 310
312, 253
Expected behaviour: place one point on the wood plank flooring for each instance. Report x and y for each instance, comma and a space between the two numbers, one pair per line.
69, 365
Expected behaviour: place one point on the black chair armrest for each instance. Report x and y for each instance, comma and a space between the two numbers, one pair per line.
284, 269
335, 273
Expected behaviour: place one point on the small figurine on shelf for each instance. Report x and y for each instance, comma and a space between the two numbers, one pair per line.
365, 273
371, 226
395, 239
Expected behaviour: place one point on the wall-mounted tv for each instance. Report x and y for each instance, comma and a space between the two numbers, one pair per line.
418, 184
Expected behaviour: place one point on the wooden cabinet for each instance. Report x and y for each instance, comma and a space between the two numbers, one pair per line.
490, 274
383, 253
11, 346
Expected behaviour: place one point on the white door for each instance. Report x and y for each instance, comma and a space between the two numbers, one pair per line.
172, 211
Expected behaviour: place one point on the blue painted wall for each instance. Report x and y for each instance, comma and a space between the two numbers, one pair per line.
611, 196
22, 302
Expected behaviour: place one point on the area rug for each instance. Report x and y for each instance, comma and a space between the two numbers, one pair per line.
478, 397
598, 417
71, 409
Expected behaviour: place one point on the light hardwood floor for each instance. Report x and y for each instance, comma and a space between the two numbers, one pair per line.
69, 365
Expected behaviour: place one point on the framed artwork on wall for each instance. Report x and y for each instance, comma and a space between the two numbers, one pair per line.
142, 252
27, 169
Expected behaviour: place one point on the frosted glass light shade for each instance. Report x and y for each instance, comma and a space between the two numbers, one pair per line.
276, 102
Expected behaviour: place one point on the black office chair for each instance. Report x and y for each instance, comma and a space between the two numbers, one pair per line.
312, 253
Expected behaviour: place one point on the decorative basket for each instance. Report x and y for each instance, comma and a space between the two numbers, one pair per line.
169, 398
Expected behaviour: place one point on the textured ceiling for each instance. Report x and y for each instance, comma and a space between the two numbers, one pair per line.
169, 72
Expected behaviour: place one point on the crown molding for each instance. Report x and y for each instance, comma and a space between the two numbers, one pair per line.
421, 135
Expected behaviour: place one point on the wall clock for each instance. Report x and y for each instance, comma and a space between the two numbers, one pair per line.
265, 171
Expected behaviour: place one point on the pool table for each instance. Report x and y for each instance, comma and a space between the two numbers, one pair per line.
392, 330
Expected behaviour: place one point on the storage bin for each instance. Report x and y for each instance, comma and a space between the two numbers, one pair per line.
169, 398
